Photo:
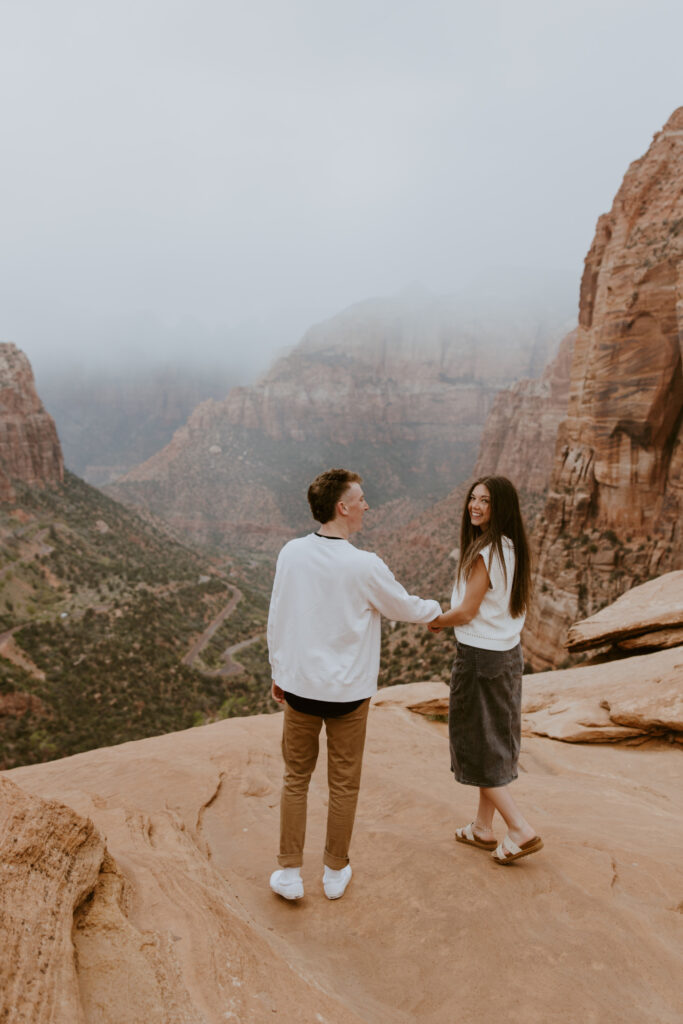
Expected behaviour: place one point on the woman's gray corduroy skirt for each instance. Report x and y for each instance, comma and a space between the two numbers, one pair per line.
485, 715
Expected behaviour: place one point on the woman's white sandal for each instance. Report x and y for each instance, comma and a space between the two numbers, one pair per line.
467, 835
507, 851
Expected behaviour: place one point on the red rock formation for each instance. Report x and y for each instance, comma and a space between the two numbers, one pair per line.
614, 511
650, 615
518, 441
29, 447
398, 391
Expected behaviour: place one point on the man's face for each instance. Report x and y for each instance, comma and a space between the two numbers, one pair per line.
354, 505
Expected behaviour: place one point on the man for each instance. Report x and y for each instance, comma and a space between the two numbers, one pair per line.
324, 644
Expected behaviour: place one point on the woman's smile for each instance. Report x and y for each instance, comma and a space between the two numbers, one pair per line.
479, 506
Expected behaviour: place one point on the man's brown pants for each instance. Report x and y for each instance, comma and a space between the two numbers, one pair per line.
300, 744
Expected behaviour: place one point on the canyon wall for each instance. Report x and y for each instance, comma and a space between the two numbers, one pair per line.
397, 388
518, 440
30, 452
613, 513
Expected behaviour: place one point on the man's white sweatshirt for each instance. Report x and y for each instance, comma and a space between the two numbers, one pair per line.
324, 619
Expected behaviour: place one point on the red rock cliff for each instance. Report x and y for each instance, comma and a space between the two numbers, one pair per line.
29, 447
613, 515
518, 440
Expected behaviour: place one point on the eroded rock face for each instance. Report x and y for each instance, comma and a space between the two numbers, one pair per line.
29, 447
518, 440
650, 615
615, 506
50, 859
398, 390
637, 698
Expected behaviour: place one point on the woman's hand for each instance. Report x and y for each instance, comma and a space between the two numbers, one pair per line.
434, 626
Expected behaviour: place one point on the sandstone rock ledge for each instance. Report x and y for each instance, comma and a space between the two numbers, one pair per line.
650, 615
636, 699
173, 922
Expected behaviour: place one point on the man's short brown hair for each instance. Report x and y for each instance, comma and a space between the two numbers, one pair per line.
327, 489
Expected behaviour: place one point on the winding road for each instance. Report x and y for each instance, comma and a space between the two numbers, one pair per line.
231, 667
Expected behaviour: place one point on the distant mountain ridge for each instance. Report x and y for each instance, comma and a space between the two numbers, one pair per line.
110, 419
398, 388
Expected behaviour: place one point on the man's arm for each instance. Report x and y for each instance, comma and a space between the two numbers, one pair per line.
393, 601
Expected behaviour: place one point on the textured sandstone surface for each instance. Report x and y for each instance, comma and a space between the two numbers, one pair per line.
637, 697
638, 615
658, 638
50, 860
400, 389
174, 921
29, 447
615, 506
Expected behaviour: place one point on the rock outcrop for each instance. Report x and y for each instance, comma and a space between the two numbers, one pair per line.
50, 860
614, 513
174, 921
650, 615
30, 452
398, 388
635, 699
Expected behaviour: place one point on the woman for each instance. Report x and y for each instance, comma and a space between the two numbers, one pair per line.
488, 607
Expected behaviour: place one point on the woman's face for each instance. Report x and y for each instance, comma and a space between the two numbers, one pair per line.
479, 506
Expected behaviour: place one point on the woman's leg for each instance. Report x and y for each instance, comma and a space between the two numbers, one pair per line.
519, 829
483, 822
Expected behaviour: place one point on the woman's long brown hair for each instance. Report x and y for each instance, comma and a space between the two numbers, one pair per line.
506, 521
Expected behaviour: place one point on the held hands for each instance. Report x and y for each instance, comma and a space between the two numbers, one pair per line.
434, 626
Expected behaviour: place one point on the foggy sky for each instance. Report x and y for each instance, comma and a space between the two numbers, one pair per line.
228, 172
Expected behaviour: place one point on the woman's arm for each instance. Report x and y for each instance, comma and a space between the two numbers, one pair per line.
475, 591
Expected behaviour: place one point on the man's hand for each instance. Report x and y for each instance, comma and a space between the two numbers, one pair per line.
434, 626
277, 693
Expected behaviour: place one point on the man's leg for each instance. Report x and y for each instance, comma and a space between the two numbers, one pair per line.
300, 735
345, 743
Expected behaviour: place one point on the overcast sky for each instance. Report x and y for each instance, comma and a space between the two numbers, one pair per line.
232, 171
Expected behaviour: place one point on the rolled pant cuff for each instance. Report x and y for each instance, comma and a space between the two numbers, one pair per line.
336, 863
289, 862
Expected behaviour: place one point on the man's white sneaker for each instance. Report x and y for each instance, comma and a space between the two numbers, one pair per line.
287, 882
335, 882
